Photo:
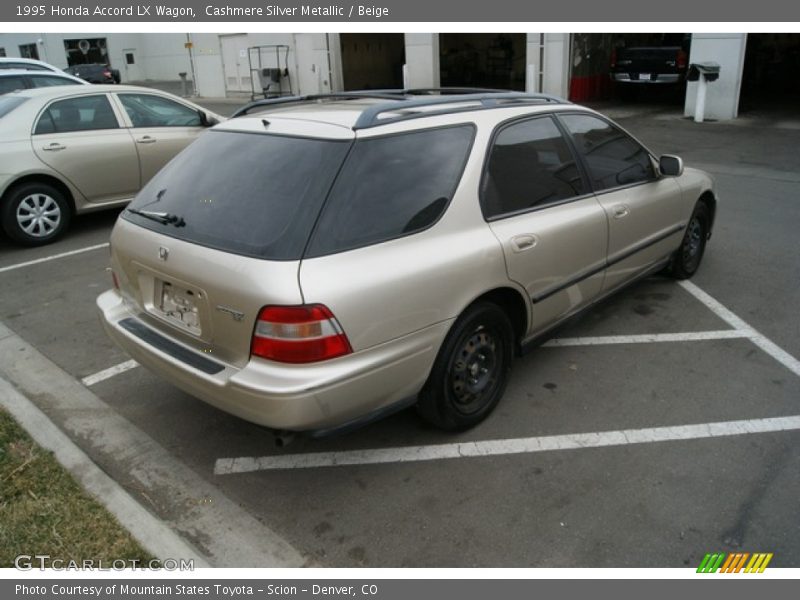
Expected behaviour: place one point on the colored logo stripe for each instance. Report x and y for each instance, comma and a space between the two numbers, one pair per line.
734, 562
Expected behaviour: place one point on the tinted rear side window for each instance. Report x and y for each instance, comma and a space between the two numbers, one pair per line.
251, 194
530, 165
392, 186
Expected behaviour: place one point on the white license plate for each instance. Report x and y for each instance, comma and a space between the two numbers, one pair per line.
180, 306
645, 76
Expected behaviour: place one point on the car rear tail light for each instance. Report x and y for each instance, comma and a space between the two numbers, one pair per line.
298, 334
613, 57
107, 73
682, 59
114, 280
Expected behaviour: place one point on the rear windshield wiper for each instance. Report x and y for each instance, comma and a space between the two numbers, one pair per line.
164, 218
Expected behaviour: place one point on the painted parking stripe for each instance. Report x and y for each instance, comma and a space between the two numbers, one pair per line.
228, 466
109, 373
648, 338
37, 261
760, 340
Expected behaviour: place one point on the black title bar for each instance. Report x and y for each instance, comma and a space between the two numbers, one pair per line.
287, 11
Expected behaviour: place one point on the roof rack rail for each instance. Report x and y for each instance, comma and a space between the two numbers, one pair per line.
452, 91
285, 100
485, 100
404, 101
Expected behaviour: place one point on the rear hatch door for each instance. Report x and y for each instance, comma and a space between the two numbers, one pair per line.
219, 233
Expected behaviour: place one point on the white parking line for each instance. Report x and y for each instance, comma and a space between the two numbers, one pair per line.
108, 373
767, 345
52, 257
228, 466
648, 338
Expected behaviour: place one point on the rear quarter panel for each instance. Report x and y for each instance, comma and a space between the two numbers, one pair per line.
387, 290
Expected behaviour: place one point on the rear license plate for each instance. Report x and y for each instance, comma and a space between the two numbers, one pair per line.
645, 76
179, 306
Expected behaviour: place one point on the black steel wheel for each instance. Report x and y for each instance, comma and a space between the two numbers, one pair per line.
471, 370
687, 259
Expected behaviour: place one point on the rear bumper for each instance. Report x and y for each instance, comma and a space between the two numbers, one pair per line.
292, 397
661, 78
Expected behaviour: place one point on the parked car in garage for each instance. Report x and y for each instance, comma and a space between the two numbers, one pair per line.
16, 79
26, 64
73, 149
94, 73
352, 254
649, 65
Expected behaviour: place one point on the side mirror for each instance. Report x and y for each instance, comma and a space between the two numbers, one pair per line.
207, 121
671, 166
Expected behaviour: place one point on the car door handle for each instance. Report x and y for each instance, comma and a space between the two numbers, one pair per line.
621, 210
146, 140
54, 147
523, 242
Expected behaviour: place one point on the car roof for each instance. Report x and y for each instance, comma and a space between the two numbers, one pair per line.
405, 109
55, 91
27, 73
29, 61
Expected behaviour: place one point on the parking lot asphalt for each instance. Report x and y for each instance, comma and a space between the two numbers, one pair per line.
592, 458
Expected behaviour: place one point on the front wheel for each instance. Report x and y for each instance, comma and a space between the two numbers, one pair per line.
35, 214
471, 370
687, 258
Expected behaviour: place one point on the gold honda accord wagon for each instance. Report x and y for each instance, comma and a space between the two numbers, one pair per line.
317, 262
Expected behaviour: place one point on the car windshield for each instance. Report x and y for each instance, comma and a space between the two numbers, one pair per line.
249, 193
9, 103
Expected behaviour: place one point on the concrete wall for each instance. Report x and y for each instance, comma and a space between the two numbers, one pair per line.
315, 60
727, 49
556, 64
422, 59
160, 57
534, 62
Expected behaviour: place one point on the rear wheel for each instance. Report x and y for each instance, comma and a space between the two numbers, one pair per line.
687, 259
35, 214
471, 371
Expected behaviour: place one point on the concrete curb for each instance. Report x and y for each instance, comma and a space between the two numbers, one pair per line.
150, 532
186, 506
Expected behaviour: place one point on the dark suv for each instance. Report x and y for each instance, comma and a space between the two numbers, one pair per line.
95, 73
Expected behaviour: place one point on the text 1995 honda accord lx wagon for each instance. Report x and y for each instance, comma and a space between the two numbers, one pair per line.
320, 261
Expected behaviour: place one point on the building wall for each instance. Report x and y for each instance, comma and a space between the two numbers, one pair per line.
422, 60
315, 61
722, 97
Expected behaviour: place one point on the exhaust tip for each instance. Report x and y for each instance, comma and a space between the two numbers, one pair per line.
283, 438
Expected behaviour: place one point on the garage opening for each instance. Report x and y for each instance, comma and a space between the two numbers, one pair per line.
372, 60
649, 68
770, 78
487, 60
86, 51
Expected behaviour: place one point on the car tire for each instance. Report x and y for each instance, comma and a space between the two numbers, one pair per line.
687, 257
471, 370
35, 214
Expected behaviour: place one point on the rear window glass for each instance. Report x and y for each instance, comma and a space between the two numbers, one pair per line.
251, 194
392, 186
9, 103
